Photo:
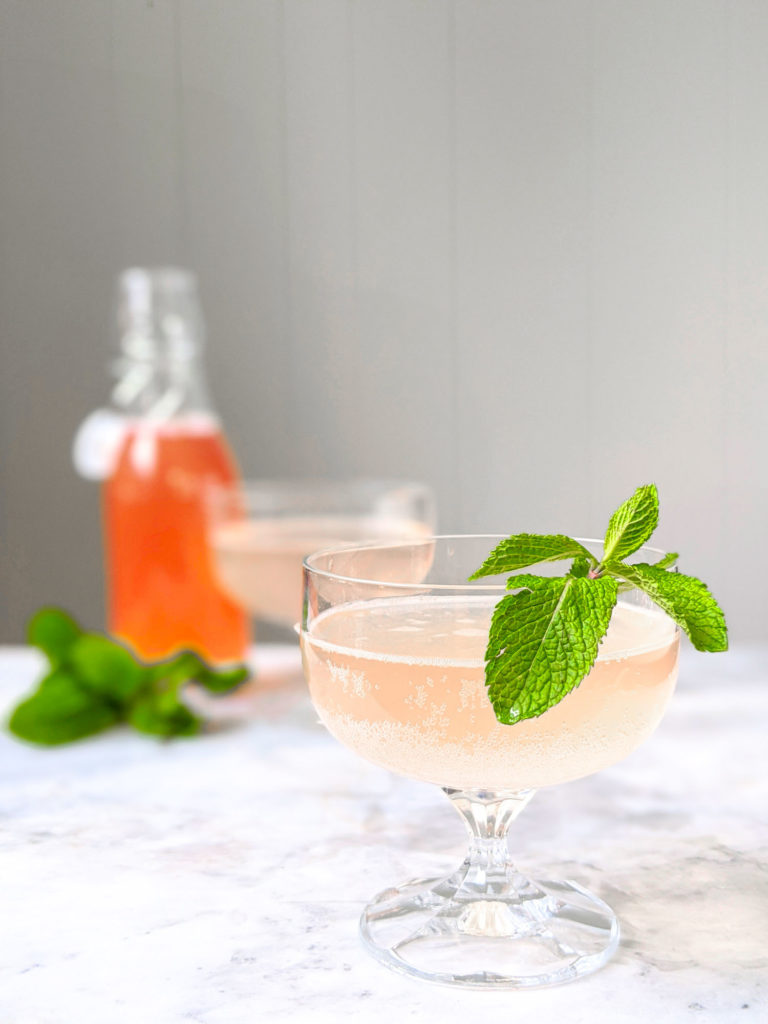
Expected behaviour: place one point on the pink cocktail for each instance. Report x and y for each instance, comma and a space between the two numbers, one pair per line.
395, 666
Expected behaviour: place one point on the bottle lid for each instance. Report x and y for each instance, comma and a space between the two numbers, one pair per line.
97, 443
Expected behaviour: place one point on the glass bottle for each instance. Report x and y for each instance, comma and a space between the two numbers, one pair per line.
160, 450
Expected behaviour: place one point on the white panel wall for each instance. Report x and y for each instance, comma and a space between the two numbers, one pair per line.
522, 95
232, 177
518, 248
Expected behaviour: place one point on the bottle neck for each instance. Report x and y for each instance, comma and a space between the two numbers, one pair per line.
161, 389
160, 339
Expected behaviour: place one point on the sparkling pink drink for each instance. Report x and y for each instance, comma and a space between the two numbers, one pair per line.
401, 682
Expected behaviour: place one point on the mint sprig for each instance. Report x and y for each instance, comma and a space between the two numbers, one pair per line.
525, 549
684, 598
544, 637
543, 641
632, 523
93, 683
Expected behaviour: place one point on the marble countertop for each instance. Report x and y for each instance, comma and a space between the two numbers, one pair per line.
219, 880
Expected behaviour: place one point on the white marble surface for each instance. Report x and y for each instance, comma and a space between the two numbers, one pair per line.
219, 880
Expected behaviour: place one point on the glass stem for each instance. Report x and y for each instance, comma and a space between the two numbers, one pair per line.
488, 866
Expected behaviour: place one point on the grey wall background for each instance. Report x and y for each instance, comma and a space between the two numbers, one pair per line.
517, 248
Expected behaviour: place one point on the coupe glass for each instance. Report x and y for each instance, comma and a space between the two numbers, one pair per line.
262, 530
393, 638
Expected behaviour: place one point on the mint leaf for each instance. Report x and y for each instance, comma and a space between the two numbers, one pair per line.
60, 711
190, 667
632, 523
222, 680
158, 715
526, 581
685, 599
544, 636
667, 561
580, 567
524, 549
53, 632
105, 667
170, 675
96, 682
543, 640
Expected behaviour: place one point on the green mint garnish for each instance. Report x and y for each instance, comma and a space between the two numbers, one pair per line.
93, 683
581, 566
632, 523
543, 641
544, 636
667, 561
530, 549
684, 598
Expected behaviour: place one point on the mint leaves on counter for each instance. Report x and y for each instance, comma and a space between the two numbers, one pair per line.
544, 636
93, 683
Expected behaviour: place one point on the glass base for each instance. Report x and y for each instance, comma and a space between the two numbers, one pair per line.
531, 935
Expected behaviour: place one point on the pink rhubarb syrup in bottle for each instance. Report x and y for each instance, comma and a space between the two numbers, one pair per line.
161, 452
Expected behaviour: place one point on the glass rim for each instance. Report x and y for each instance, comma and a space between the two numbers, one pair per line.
474, 586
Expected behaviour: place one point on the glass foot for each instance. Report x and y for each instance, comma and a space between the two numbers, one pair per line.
522, 935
